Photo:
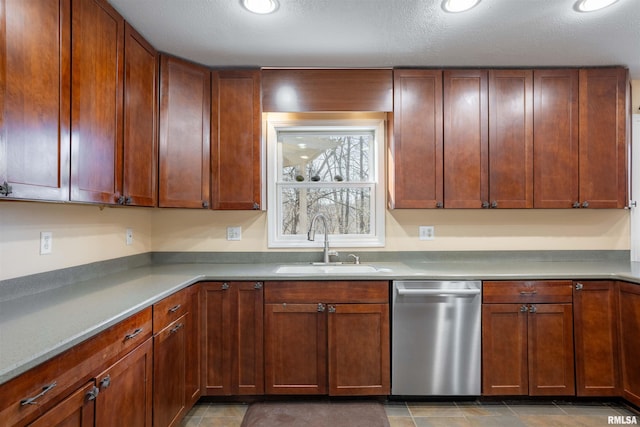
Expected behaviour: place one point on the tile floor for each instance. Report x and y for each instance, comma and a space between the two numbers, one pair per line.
454, 414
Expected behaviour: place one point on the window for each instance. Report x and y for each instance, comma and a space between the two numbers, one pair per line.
333, 167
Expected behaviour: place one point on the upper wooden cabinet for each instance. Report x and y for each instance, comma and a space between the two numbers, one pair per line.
603, 137
510, 139
97, 53
140, 153
185, 109
35, 78
466, 139
290, 90
416, 149
235, 140
555, 138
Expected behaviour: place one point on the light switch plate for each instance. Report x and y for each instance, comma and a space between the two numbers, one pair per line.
234, 233
129, 236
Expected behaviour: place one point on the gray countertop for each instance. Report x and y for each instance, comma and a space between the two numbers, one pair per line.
38, 327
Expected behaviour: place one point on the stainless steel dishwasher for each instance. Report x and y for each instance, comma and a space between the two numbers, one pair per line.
435, 346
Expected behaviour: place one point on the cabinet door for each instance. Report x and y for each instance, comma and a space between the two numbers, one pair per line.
235, 140
555, 138
466, 152
126, 390
358, 340
603, 137
233, 328
193, 349
504, 349
34, 84
550, 339
629, 322
140, 153
295, 343
185, 110
511, 138
416, 156
169, 396
97, 51
77, 410
595, 321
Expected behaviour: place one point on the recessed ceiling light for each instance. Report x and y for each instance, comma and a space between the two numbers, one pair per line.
592, 5
262, 7
455, 6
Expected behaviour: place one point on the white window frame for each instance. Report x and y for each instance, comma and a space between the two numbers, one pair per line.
274, 122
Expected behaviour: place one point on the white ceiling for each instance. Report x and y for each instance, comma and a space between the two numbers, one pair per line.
390, 33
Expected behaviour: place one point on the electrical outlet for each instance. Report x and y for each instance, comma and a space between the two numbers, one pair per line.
129, 236
46, 242
234, 233
426, 232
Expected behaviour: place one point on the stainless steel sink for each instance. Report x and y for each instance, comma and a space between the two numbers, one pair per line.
328, 269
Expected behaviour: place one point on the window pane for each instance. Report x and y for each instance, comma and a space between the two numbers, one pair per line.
325, 156
347, 209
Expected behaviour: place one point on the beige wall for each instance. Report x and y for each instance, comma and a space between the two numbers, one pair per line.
455, 230
81, 234
84, 234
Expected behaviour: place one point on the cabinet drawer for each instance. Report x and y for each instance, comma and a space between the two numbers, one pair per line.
327, 292
504, 292
48, 383
170, 309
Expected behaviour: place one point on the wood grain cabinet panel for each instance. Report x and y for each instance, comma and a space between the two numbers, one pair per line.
140, 152
35, 83
603, 137
77, 410
185, 117
466, 138
629, 323
97, 59
595, 319
416, 149
235, 140
510, 139
555, 146
233, 333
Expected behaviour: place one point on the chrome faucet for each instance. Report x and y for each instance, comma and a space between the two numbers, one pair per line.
311, 235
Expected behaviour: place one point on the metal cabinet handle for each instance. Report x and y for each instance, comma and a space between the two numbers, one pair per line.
176, 328
120, 200
133, 334
533, 309
256, 206
523, 309
439, 205
332, 309
5, 189
485, 205
105, 382
321, 307
257, 285
494, 204
225, 286
579, 286
575, 205
34, 400
585, 204
175, 308
205, 204
528, 292
92, 394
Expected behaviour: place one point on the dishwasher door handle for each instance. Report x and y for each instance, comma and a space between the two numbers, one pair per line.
439, 292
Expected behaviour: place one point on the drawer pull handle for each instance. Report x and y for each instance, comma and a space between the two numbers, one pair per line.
176, 328
174, 308
92, 394
34, 400
105, 382
133, 334
528, 292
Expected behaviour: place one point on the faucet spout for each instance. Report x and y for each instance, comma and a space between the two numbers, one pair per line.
311, 235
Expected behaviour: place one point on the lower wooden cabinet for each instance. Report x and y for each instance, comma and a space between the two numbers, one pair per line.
233, 347
327, 337
527, 346
126, 390
176, 357
77, 410
629, 321
595, 320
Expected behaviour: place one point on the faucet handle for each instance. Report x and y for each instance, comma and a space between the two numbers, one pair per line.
332, 253
356, 258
